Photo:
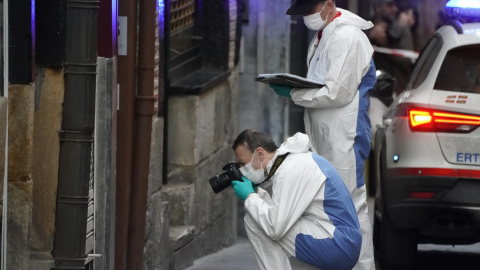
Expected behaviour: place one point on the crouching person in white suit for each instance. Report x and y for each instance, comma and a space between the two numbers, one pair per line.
309, 221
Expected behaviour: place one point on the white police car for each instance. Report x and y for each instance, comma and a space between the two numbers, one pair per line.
428, 149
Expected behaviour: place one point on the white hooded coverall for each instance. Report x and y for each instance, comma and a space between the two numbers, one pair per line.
310, 218
336, 115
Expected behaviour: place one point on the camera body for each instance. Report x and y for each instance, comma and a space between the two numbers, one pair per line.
224, 180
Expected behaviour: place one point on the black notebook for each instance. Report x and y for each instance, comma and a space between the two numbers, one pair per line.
287, 79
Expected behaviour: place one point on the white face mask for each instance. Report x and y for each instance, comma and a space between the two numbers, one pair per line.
315, 21
256, 176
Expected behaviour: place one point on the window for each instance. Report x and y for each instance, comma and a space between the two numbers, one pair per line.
460, 70
182, 15
425, 62
183, 52
197, 49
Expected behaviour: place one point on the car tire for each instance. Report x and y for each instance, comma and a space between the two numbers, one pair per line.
398, 248
377, 226
371, 174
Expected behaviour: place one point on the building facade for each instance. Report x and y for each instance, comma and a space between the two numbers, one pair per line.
118, 114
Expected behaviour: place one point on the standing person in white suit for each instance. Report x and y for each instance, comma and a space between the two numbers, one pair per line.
336, 115
309, 220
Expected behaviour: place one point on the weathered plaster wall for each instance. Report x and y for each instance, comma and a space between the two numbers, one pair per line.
20, 148
46, 147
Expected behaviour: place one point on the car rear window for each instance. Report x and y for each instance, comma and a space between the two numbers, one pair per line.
425, 61
460, 71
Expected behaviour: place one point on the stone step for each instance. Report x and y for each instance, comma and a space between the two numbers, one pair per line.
181, 243
180, 198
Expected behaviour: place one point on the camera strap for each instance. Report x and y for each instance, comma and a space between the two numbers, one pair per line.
278, 161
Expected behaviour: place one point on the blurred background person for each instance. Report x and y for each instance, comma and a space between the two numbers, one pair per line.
393, 24
402, 34
385, 13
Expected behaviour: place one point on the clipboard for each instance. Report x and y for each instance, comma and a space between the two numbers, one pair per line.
288, 79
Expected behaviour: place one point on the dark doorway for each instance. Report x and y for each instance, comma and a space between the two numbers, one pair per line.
299, 40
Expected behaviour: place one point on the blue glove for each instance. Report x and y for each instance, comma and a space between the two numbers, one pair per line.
281, 90
242, 189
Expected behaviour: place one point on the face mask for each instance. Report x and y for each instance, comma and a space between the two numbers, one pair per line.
256, 176
315, 21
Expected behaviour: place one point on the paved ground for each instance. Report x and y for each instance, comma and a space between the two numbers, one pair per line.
237, 257
241, 257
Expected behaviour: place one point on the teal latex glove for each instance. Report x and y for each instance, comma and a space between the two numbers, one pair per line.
242, 189
281, 90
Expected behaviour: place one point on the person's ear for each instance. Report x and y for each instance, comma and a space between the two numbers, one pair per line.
329, 5
260, 153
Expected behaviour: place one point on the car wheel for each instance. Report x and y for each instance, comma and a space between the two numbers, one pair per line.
398, 248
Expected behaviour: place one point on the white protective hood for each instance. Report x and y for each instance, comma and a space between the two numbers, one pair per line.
298, 143
349, 18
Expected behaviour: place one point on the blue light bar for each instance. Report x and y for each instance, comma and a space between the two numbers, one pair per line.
463, 8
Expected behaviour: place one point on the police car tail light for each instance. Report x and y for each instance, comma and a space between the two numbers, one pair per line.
440, 121
418, 118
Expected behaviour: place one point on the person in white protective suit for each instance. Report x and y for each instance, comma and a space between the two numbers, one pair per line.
336, 115
309, 220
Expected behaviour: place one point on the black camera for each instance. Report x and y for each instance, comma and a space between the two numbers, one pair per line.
224, 180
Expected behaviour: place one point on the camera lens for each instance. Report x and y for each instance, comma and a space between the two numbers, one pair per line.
224, 180
219, 182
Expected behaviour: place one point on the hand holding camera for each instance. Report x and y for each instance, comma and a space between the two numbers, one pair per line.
232, 176
243, 188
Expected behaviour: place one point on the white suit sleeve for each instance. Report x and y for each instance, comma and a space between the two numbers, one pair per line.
348, 58
292, 193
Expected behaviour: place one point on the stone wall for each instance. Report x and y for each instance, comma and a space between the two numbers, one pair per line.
266, 50
200, 133
105, 162
185, 219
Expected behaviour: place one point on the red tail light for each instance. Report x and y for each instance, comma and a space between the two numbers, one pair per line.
418, 118
428, 120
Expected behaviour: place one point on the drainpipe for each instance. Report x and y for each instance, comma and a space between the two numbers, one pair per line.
76, 137
163, 80
127, 9
144, 110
